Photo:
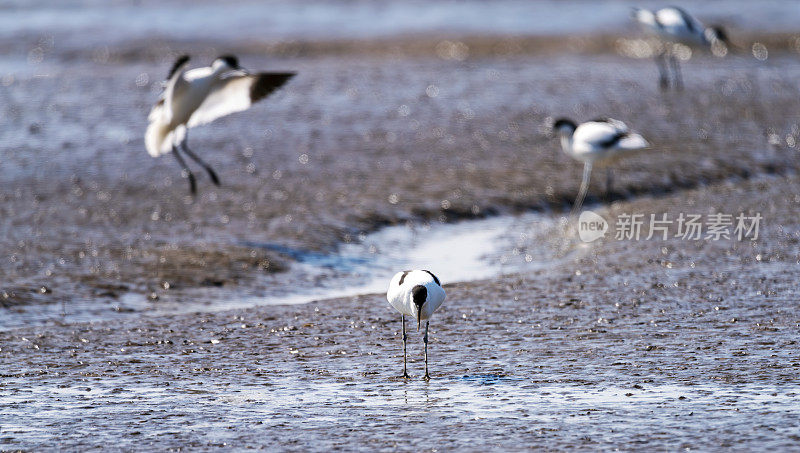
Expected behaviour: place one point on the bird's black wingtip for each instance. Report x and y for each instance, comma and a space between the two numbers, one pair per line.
177, 65
435, 278
277, 78
267, 82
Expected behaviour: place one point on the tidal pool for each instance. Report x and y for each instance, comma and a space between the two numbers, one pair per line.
457, 252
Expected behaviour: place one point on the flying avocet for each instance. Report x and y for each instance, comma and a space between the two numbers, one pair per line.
198, 96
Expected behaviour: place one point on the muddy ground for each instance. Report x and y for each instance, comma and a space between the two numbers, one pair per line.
657, 344
351, 144
625, 344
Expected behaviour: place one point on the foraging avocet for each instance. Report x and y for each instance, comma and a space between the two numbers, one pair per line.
674, 25
418, 294
199, 96
600, 141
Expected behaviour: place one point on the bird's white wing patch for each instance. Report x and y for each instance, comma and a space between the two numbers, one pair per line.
596, 134
677, 23
235, 91
230, 94
617, 124
158, 137
678, 18
162, 111
670, 17
158, 110
198, 73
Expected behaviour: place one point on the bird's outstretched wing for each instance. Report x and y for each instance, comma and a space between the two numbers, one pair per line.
161, 111
235, 91
159, 137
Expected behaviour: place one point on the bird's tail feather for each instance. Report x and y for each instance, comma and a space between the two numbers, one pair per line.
160, 138
155, 137
633, 142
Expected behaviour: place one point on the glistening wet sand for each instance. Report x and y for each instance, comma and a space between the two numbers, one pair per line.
663, 344
616, 344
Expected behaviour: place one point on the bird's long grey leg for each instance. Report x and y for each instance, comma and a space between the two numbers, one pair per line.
663, 75
200, 161
587, 175
425, 339
185, 172
676, 71
405, 337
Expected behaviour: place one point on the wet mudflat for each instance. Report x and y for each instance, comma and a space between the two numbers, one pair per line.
614, 344
664, 344
346, 148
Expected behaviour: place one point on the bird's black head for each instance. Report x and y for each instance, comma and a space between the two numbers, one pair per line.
419, 294
720, 34
229, 60
564, 125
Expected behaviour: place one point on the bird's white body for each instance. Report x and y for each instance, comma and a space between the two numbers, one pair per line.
195, 97
601, 141
418, 294
400, 296
673, 24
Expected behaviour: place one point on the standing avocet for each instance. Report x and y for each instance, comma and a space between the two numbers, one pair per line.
199, 96
674, 25
418, 294
600, 141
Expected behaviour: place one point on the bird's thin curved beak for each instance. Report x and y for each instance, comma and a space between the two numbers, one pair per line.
419, 318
